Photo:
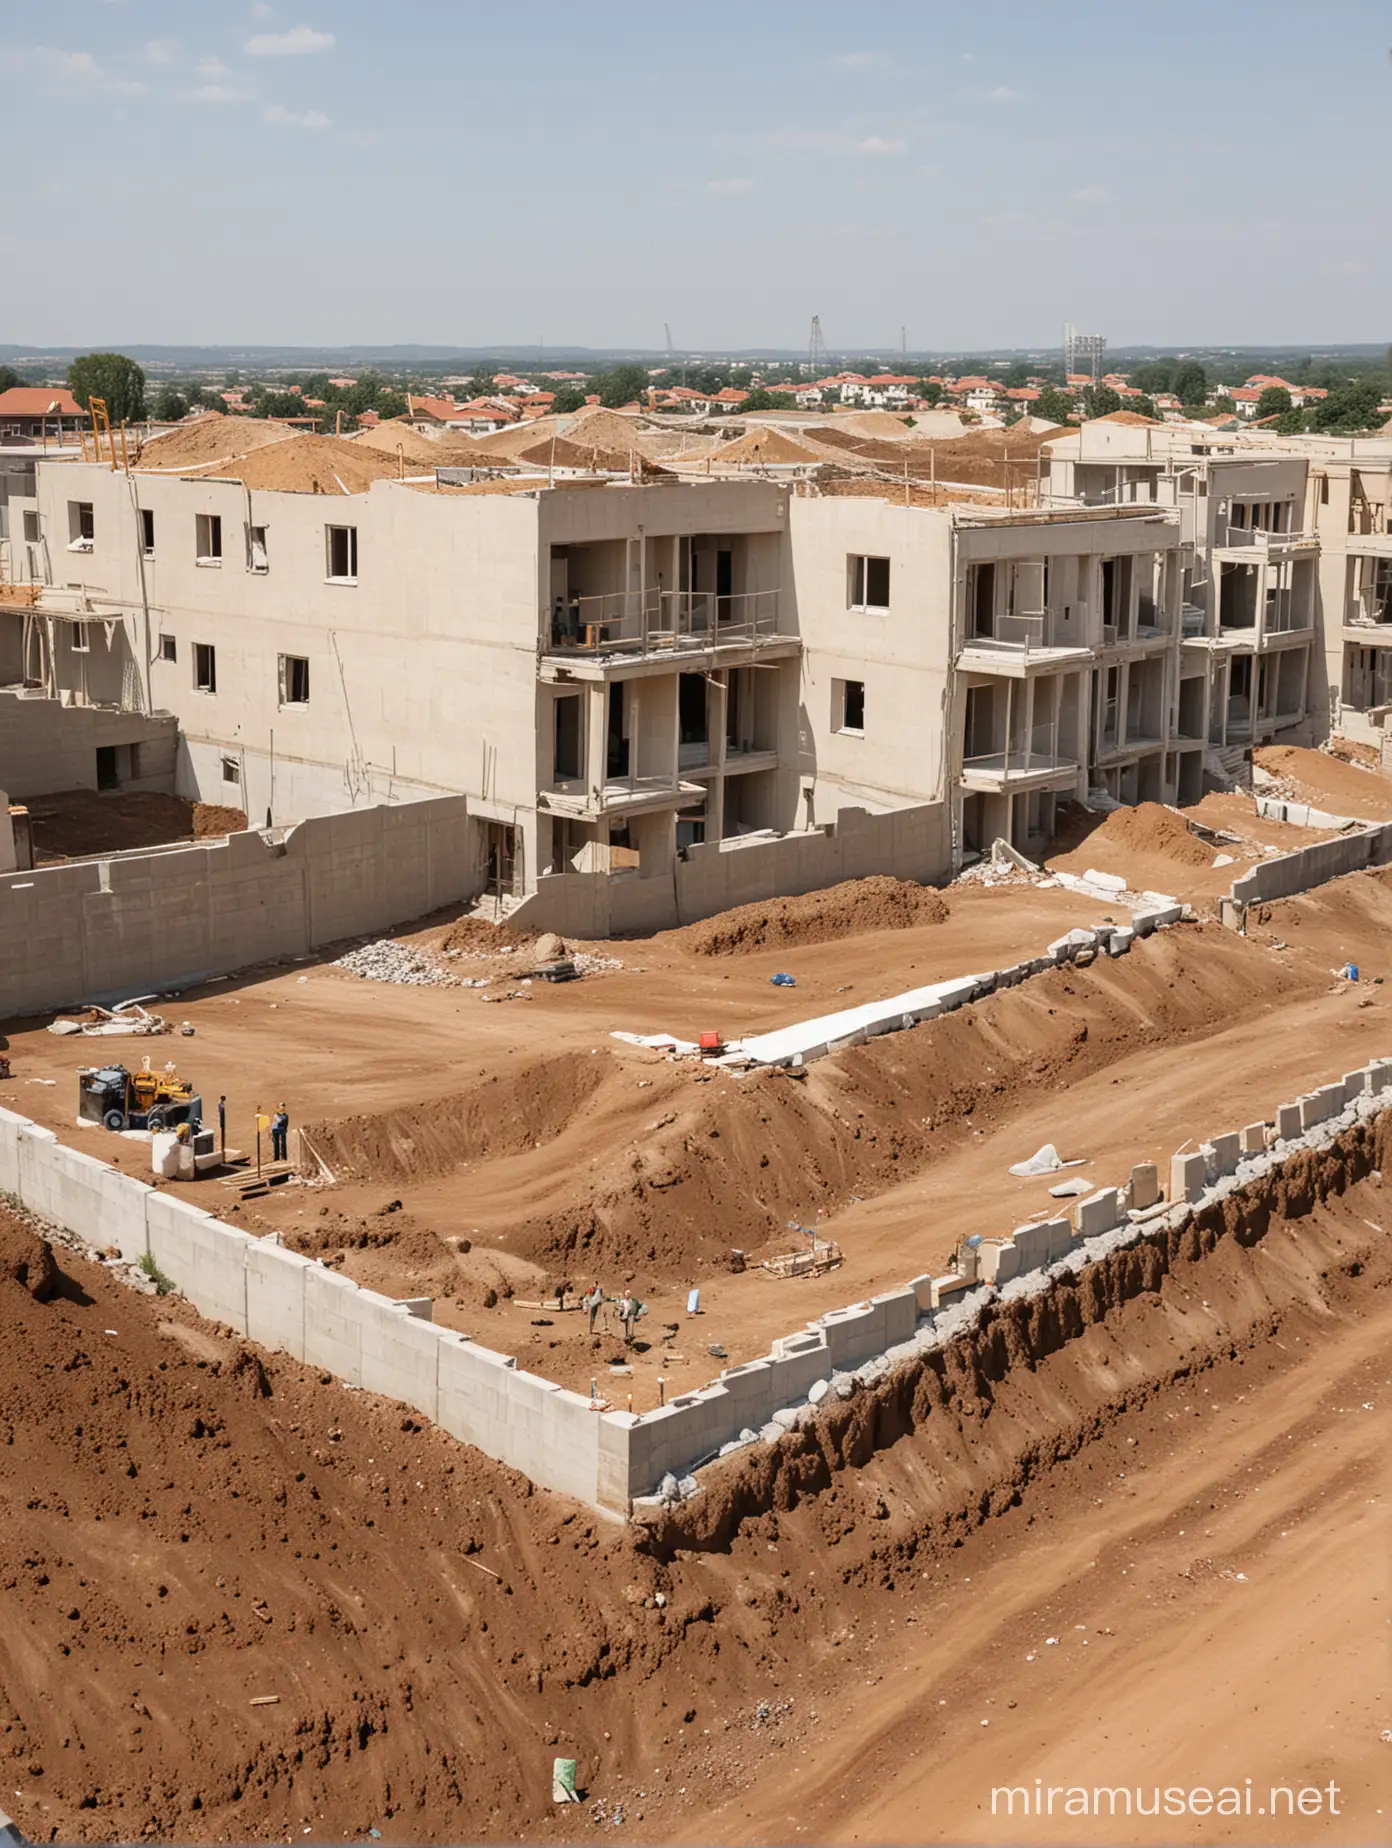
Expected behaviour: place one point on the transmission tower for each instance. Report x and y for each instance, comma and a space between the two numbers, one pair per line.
817, 362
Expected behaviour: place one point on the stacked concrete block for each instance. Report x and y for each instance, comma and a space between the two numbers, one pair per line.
1145, 1185
1288, 1122
400, 1354
1254, 1139
1121, 940
275, 1289
1355, 1083
1099, 1212
333, 1324
1223, 1154
205, 1259
1187, 1178
1154, 917
11, 1123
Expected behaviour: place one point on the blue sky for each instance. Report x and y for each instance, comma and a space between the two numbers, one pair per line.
327, 171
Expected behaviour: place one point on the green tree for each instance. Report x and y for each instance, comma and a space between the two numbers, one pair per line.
1143, 406
1275, 401
761, 400
1190, 383
568, 397
930, 391
170, 404
8, 377
1100, 401
1054, 406
1157, 375
622, 385
1353, 406
112, 377
1289, 423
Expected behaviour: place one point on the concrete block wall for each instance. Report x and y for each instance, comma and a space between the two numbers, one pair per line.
46, 746
1289, 873
137, 923
554, 1436
909, 843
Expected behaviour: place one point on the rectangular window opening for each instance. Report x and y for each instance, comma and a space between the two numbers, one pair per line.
231, 770
294, 680
849, 705
209, 538
256, 549
205, 667
81, 526
342, 548
31, 526
168, 648
81, 640
869, 583
147, 531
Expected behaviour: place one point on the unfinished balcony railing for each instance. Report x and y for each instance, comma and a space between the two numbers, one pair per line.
653, 622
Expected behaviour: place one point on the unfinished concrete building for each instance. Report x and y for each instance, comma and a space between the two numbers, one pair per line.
1250, 565
608, 671
1351, 509
1000, 661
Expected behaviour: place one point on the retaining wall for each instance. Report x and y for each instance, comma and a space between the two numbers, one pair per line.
1307, 867
910, 843
105, 929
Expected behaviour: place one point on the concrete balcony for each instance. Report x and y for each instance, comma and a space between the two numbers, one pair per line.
1245, 545
1017, 648
597, 637
1041, 762
618, 796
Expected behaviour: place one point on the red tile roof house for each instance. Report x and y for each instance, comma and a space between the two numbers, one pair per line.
40, 411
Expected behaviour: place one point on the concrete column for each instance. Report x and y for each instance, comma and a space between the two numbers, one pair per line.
717, 708
1029, 722
596, 737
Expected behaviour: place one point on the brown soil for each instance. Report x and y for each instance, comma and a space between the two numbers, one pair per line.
450, 450
210, 438
504, 1115
1165, 1465
877, 903
479, 934
308, 465
76, 823
768, 446
1148, 829
26, 1260
1330, 782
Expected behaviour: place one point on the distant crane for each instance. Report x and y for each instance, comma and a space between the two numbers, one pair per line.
817, 361
671, 353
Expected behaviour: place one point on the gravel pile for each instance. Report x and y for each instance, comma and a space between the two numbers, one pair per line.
385, 961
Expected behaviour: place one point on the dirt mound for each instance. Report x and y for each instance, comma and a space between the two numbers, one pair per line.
73, 823
454, 449
308, 465
209, 439
768, 446
505, 1115
1150, 828
877, 903
26, 1260
211, 821
488, 939
1330, 783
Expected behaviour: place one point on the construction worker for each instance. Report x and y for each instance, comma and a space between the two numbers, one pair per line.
594, 1302
280, 1134
629, 1311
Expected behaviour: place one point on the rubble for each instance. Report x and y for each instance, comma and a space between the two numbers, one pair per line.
388, 961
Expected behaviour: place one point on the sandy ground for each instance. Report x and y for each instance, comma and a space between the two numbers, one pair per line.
489, 1153
1189, 1496
1196, 1475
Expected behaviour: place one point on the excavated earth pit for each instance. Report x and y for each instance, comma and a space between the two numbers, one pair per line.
305, 1616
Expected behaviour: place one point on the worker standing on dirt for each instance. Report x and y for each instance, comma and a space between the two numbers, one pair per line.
280, 1134
629, 1311
594, 1302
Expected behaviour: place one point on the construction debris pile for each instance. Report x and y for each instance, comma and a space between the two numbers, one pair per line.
125, 1019
385, 961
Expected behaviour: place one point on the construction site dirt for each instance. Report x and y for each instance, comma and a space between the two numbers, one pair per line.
1184, 1465
244, 1603
491, 1155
